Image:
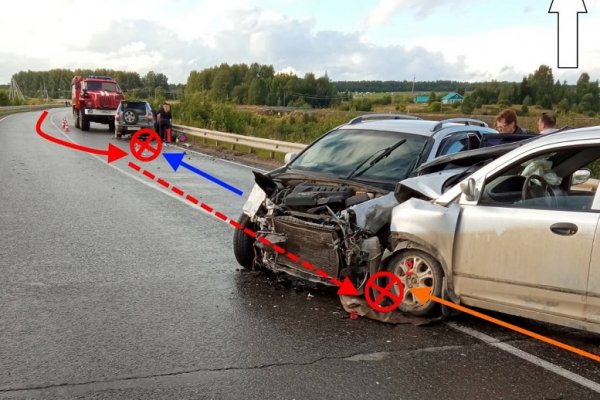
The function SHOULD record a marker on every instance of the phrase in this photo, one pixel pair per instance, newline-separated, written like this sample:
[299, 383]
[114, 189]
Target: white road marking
[6, 117]
[573, 377]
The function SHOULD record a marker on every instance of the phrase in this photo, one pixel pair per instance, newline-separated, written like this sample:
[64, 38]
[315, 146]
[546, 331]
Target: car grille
[311, 242]
[106, 102]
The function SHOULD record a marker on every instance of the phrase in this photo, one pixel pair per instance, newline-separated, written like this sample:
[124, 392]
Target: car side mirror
[469, 189]
[289, 157]
[580, 176]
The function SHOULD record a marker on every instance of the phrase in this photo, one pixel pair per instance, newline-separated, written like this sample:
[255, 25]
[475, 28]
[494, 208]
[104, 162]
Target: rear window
[135, 106]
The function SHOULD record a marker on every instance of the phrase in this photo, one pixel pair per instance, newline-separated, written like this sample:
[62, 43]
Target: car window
[457, 142]
[566, 179]
[341, 151]
[135, 106]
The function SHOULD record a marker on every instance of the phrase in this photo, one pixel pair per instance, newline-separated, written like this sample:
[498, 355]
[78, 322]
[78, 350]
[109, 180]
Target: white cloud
[387, 9]
[177, 36]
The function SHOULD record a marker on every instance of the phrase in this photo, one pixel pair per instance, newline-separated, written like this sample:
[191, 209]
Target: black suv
[132, 116]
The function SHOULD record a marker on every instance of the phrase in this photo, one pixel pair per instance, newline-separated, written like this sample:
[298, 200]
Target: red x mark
[372, 287]
[139, 144]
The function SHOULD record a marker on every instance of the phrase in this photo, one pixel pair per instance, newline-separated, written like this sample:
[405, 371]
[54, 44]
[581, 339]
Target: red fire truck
[95, 99]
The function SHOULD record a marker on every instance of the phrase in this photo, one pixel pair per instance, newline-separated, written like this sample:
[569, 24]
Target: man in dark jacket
[163, 117]
[506, 123]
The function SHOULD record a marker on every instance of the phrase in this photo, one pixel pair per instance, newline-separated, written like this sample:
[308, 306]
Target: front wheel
[243, 244]
[417, 269]
[76, 119]
[84, 122]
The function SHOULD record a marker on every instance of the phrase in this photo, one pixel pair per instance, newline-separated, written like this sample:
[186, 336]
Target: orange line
[517, 329]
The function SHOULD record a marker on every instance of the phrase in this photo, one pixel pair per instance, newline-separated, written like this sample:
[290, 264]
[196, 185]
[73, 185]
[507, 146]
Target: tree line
[541, 89]
[56, 83]
[403, 86]
[258, 84]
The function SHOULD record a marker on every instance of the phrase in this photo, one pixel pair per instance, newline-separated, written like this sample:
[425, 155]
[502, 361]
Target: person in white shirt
[547, 123]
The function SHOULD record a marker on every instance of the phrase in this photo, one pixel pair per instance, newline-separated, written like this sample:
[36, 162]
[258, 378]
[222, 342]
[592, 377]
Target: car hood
[429, 186]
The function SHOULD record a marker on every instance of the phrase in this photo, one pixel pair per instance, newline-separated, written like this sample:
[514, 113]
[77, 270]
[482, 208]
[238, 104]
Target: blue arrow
[176, 159]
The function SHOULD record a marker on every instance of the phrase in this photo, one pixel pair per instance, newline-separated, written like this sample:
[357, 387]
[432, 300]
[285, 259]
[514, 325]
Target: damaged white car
[519, 236]
[332, 203]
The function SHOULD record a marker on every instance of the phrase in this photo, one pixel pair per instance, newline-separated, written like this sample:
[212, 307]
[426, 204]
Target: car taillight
[117, 116]
[150, 117]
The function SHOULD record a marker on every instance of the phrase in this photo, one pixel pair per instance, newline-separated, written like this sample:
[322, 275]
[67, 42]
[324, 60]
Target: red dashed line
[293, 257]
[335, 281]
[278, 249]
[322, 273]
[265, 241]
[307, 265]
[149, 174]
[237, 225]
[191, 199]
[221, 216]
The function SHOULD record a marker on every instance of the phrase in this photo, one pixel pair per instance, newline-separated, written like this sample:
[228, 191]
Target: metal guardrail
[273, 146]
[13, 109]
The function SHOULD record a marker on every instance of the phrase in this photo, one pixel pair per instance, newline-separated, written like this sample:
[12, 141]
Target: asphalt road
[113, 287]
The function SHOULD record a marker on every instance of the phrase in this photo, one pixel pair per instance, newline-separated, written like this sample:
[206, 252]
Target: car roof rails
[466, 121]
[367, 117]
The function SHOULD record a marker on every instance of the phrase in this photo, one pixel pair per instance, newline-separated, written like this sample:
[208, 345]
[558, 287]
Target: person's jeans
[163, 125]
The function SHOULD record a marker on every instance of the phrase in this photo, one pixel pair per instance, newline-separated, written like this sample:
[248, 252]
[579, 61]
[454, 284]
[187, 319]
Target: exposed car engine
[316, 222]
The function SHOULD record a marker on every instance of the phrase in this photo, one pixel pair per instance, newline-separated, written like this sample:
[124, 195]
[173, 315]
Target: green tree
[467, 106]
[436, 106]
[542, 84]
[159, 96]
[432, 98]
[4, 98]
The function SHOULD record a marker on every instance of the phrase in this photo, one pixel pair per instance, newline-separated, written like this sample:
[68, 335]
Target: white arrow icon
[568, 30]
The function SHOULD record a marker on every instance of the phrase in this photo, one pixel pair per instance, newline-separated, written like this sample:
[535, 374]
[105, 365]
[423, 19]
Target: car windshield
[107, 86]
[341, 151]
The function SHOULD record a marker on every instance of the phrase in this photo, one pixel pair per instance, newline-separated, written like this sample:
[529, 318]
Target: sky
[463, 40]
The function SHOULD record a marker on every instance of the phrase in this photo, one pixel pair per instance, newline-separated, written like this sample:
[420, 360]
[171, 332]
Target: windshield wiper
[386, 152]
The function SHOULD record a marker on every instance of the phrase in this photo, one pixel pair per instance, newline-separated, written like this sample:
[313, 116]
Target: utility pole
[15, 92]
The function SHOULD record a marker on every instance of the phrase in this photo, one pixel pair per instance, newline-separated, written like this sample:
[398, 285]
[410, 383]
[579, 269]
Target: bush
[4, 98]
[362, 104]
[524, 110]
[435, 106]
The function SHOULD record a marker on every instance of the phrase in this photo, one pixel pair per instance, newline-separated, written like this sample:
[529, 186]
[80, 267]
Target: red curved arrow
[113, 153]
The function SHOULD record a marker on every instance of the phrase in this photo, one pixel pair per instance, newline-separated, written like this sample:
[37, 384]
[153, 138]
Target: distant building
[452, 98]
[422, 99]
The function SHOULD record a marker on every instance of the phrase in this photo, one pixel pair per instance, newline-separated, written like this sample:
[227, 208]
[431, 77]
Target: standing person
[547, 123]
[164, 120]
[506, 123]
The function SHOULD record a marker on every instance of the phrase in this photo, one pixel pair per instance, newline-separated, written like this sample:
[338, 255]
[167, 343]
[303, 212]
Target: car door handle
[564, 229]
